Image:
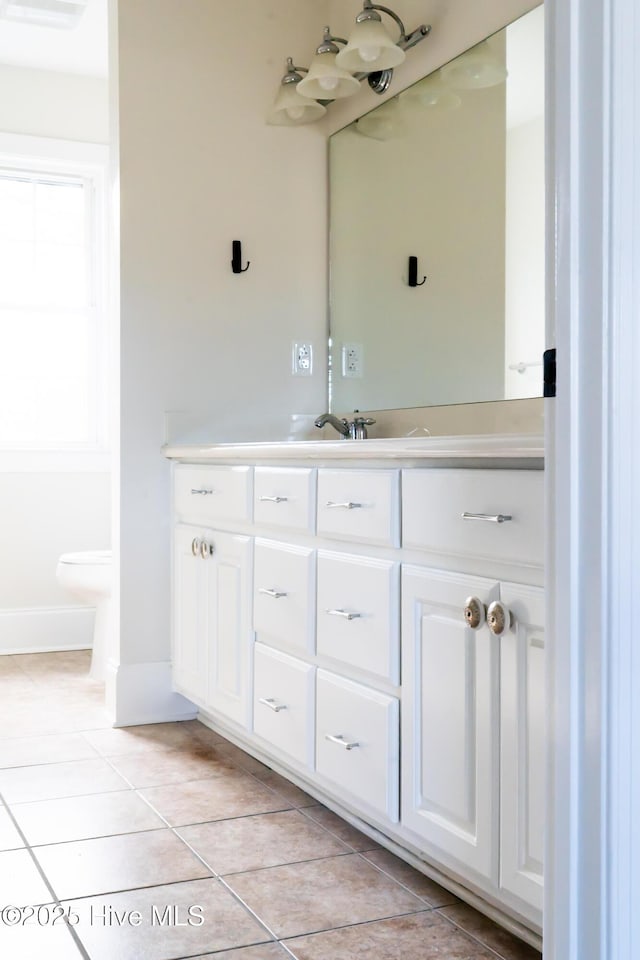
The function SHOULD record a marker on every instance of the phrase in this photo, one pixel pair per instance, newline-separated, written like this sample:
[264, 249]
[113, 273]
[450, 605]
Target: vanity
[330, 617]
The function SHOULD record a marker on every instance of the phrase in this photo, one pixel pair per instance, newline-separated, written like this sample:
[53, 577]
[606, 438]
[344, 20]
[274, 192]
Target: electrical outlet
[352, 360]
[302, 360]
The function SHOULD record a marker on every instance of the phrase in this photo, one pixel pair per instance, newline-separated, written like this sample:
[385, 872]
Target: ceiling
[82, 50]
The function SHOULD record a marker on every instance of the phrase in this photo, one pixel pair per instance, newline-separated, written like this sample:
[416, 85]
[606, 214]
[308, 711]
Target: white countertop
[493, 447]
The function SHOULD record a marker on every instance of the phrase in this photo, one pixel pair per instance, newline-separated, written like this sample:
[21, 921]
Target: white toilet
[88, 576]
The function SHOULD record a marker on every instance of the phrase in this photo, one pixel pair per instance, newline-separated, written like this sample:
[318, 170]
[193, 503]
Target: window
[53, 344]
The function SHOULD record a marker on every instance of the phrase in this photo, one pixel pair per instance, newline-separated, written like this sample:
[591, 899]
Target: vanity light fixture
[325, 78]
[290, 108]
[335, 73]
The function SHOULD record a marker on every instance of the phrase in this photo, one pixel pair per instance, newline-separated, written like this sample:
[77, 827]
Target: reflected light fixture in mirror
[476, 69]
[385, 123]
[334, 73]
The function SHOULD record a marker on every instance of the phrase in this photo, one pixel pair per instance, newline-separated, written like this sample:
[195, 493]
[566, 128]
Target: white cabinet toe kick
[376, 635]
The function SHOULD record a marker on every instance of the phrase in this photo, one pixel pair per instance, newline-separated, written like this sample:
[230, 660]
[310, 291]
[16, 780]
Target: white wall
[46, 513]
[47, 104]
[199, 168]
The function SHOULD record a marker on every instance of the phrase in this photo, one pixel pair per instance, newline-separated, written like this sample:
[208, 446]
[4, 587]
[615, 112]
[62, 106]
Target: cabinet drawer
[360, 505]
[207, 494]
[358, 612]
[285, 498]
[357, 742]
[284, 703]
[434, 502]
[284, 595]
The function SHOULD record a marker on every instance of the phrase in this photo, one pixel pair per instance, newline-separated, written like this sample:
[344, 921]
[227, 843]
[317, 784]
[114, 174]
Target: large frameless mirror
[443, 182]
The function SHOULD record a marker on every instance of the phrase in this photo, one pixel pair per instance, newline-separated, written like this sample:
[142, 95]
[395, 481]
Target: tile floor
[166, 842]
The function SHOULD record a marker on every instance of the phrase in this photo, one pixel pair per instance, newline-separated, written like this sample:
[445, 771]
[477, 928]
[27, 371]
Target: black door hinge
[549, 372]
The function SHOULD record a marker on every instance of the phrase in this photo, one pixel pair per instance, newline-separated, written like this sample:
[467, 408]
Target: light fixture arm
[328, 44]
[293, 73]
[406, 40]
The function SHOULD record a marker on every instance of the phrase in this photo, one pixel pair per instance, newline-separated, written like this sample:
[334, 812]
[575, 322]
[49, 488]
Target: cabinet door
[189, 628]
[522, 703]
[450, 719]
[229, 637]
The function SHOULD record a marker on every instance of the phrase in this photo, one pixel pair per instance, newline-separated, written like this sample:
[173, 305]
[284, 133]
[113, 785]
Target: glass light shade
[431, 94]
[370, 48]
[327, 81]
[290, 109]
[474, 70]
[386, 122]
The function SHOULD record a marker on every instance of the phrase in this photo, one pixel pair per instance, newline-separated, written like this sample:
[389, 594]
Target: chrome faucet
[355, 429]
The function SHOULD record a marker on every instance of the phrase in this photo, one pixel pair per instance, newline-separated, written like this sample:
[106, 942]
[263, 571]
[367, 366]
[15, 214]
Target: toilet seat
[87, 556]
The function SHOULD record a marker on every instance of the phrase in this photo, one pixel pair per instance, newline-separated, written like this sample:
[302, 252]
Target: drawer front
[284, 703]
[209, 494]
[357, 742]
[285, 498]
[360, 505]
[284, 595]
[434, 502]
[358, 618]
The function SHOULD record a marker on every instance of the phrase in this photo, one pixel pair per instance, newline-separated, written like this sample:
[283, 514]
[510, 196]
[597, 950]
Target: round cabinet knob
[498, 618]
[474, 612]
[195, 546]
[206, 549]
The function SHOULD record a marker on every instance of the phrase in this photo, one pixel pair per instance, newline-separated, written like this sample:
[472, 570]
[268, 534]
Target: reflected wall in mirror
[450, 172]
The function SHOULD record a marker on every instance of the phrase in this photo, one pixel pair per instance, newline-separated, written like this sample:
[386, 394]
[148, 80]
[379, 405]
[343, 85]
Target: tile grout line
[472, 936]
[44, 878]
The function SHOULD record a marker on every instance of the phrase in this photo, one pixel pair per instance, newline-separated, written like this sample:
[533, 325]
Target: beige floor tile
[343, 830]
[20, 881]
[54, 780]
[65, 662]
[90, 867]
[422, 936]
[220, 798]
[158, 765]
[26, 751]
[286, 789]
[10, 668]
[489, 933]
[243, 759]
[81, 818]
[35, 942]
[226, 923]
[10, 839]
[266, 951]
[129, 740]
[423, 887]
[307, 897]
[206, 734]
[250, 843]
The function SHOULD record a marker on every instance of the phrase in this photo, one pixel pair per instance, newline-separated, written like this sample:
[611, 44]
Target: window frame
[89, 162]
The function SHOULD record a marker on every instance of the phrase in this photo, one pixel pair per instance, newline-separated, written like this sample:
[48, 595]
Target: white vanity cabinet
[328, 631]
[212, 572]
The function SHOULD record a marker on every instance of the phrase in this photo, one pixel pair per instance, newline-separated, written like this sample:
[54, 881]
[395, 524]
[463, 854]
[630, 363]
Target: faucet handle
[364, 421]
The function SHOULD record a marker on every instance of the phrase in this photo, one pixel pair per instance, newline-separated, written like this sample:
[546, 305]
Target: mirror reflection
[443, 182]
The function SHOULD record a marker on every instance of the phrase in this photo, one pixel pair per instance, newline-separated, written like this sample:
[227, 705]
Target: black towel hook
[413, 273]
[236, 261]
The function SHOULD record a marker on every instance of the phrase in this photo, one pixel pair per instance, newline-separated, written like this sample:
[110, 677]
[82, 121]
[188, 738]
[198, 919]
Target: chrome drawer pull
[340, 740]
[202, 492]
[495, 518]
[274, 499]
[272, 704]
[344, 613]
[271, 593]
[195, 546]
[206, 550]
[349, 505]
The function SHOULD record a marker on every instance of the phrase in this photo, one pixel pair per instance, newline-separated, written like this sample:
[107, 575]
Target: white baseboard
[46, 629]
[138, 693]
